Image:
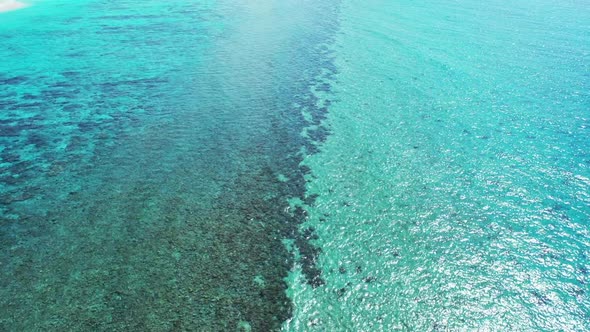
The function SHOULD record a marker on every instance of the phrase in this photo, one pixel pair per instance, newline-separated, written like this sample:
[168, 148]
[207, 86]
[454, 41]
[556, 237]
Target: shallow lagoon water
[295, 165]
[453, 191]
[148, 153]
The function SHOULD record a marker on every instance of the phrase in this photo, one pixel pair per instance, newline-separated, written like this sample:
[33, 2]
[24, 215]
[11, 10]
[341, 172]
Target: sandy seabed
[8, 5]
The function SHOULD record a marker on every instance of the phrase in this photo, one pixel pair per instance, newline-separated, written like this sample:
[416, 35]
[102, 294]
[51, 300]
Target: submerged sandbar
[8, 5]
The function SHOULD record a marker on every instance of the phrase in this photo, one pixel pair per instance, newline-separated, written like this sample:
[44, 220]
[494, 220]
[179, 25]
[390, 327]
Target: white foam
[8, 5]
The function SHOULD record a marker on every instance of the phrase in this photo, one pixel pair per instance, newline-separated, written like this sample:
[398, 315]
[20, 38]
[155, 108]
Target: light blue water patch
[147, 154]
[454, 188]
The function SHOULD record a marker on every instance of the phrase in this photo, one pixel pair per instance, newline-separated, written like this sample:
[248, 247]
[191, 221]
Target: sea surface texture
[296, 165]
[149, 149]
[454, 189]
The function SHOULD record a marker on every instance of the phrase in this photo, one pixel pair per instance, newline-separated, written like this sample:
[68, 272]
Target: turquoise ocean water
[340, 165]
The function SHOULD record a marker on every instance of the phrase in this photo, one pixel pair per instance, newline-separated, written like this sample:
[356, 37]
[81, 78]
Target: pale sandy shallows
[8, 5]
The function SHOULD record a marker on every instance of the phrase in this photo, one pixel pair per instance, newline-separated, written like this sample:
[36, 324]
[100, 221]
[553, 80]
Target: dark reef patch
[100, 210]
[319, 134]
[307, 101]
